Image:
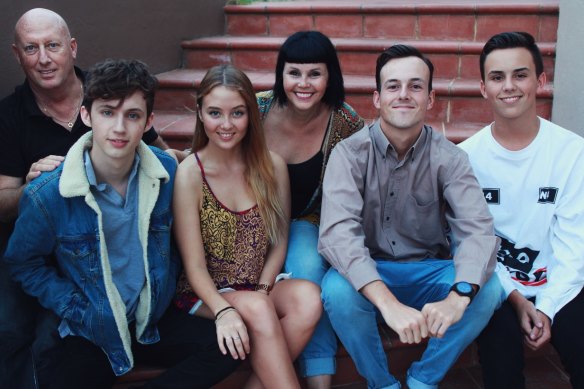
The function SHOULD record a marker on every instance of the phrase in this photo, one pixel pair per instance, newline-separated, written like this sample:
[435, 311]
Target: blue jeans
[354, 319]
[303, 261]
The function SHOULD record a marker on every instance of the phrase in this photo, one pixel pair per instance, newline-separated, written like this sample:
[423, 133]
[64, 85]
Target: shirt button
[393, 242]
[391, 194]
[387, 218]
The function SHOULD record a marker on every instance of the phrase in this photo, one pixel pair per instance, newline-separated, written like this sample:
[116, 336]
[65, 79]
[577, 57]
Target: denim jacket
[58, 252]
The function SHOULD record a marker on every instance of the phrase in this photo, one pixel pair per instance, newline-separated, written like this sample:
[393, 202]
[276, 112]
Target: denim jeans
[354, 319]
[304, 261]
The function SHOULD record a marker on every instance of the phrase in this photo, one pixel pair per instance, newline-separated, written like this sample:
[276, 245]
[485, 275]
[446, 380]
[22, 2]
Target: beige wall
[149, 30]
[568, 110]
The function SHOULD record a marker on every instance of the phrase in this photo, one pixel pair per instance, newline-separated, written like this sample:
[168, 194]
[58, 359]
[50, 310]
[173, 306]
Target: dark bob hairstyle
[311, 47]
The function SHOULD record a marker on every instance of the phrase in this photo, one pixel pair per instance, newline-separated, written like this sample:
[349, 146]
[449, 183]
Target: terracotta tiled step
[177, 127]
[400, 354]
[457, 100]
[451, 58]
[543, 368]
[414, 19]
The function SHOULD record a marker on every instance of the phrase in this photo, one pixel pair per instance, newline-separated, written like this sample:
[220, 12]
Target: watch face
[464, 287]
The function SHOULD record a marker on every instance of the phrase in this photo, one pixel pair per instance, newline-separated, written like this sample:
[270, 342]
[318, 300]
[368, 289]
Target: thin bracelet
[223, 310]
[225, 313]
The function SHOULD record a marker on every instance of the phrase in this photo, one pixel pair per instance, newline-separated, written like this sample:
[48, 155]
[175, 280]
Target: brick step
[400, 356]
[177, 127]
[474, 20]
[457, 100]
[452, 59]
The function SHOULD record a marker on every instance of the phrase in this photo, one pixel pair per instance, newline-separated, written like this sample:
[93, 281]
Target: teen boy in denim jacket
[105, 215]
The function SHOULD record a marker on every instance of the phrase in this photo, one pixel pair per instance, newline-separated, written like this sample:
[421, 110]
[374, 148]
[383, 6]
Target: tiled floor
[542, 372]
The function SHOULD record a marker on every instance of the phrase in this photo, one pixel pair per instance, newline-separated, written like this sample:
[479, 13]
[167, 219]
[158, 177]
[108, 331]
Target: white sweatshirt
[536, 196]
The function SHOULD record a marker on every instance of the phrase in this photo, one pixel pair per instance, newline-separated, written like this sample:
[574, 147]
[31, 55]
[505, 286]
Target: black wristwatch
[464, 289]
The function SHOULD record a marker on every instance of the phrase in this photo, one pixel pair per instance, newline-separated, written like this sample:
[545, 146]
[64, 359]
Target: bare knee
[260, 314]
[303, 302]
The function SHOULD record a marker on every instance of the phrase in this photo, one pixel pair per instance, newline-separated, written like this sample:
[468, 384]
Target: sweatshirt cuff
[547, 306]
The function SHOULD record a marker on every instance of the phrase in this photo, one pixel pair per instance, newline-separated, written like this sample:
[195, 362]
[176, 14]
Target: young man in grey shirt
[407, 232]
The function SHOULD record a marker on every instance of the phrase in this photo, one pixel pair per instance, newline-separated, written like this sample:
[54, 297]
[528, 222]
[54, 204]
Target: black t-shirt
[27, 135]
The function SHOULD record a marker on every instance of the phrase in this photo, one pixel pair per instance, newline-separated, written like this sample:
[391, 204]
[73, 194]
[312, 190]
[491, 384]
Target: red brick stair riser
[462, 20]
[450, 32]
[451, 59]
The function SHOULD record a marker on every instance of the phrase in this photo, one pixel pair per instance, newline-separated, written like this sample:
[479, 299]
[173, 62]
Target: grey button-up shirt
[375, 206]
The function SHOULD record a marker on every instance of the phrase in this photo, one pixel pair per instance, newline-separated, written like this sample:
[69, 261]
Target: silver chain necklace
[69, 122]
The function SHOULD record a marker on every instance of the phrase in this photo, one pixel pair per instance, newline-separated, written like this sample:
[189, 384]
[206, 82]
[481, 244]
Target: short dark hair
[116, 79]
[401, 51]
[311, 47]
[512, 40]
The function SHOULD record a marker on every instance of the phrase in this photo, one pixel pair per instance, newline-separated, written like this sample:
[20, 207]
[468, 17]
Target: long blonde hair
[259, 172]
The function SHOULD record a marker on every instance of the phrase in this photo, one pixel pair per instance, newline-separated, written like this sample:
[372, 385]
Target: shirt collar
[420, 143]
[385, 147]
[92, 179]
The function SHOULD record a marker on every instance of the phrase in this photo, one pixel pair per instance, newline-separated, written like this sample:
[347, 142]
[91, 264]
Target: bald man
[39, 122]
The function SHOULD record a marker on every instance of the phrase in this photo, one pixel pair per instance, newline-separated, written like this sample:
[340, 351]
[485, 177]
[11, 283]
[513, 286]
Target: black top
[27, 135]
[304, 179]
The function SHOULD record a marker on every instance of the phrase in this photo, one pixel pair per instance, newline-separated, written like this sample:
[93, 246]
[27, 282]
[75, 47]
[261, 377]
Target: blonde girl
[231, 207]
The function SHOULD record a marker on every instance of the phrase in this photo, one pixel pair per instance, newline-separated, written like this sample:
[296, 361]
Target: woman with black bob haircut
[311, 47]
[304, 117]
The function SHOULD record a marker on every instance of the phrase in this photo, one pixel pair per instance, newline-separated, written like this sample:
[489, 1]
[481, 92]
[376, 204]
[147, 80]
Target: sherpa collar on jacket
[74, 182]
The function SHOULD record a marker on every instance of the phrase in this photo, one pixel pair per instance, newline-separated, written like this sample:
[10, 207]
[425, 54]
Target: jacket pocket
[79, 317]
[79, 260]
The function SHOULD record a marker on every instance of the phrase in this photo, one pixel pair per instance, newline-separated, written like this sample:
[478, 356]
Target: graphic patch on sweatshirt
[519, 262]
[547, 195]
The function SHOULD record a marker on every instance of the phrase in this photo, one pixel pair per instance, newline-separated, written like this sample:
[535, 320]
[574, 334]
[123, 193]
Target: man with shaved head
[39, 122]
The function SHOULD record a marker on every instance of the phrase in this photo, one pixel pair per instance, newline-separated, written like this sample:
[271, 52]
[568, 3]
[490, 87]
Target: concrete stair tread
[190, 78]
